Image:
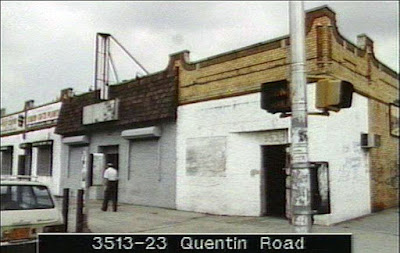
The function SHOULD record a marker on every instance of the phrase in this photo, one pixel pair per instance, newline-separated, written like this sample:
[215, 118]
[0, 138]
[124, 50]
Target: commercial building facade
[135, 130]
[29, 145]
[194, 137]
[231, 154]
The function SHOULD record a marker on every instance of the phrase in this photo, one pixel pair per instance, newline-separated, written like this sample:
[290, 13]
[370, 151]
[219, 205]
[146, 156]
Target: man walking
[111, 182]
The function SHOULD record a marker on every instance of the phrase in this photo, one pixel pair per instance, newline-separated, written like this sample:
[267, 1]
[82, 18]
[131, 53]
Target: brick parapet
[376, 81]
[329, 54]
[384, 160]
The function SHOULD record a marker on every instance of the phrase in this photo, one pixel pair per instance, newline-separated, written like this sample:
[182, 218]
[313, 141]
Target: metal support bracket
[324, 113]
[300, 166]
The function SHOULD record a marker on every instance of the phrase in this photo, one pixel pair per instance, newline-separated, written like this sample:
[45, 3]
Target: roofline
[241, 49]
[39, 106]
[318, 8]
[308, 12]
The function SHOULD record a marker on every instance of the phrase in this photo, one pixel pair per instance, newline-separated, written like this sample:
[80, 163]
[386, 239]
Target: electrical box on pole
[333, 94]
[275, 96]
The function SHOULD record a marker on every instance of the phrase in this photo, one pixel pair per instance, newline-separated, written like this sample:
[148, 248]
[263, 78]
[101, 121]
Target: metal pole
[79, 211]
[113, 67]
[129, 54]
[104, 53]
[300, 167]
[96, 63]
[107, 68]
[85, 210]
[65, 208]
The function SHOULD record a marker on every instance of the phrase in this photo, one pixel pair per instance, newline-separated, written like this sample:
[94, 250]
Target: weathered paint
[335, 139]
[300, 171]
[152, 184]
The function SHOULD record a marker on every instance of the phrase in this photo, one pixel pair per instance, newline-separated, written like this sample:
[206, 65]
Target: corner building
[231, 154]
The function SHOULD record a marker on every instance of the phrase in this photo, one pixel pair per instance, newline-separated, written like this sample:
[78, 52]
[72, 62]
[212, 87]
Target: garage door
[143, 159]
[75, 165]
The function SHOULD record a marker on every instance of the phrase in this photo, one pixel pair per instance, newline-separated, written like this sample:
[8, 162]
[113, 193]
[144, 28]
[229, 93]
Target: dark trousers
[110, 194]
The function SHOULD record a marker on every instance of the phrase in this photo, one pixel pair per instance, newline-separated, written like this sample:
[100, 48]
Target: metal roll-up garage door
[144, 158]
[144, 173]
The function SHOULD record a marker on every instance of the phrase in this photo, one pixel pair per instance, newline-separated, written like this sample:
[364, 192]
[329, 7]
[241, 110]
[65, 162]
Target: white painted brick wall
[335, 139]
[38, 135]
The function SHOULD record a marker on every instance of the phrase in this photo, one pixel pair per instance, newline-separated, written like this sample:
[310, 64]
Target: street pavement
[374, 233]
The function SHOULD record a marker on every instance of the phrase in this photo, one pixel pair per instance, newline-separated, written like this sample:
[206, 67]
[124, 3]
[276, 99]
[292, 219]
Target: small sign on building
[44, 115]
[10, 124]
[100, 112]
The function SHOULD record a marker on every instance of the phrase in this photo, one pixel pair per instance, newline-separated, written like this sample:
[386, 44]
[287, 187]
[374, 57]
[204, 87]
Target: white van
[27, 208]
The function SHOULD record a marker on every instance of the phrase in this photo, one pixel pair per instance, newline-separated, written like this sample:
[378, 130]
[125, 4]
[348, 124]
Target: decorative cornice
[311, 16]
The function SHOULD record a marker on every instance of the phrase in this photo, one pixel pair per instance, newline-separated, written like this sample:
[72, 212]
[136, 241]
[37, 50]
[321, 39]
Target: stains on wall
[206, 156]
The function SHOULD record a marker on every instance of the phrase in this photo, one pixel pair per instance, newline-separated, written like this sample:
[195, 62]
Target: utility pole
[300, 166]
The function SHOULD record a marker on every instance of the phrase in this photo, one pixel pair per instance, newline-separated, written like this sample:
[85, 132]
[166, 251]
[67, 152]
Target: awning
[42, 143]
[76, 140]
[6, 148]
[139, 133]
[25, 145]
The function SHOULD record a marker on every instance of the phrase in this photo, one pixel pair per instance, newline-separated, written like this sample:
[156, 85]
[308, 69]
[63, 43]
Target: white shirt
[111, 174]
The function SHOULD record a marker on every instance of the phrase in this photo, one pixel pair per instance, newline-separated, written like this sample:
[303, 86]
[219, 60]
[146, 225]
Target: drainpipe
[300, 166]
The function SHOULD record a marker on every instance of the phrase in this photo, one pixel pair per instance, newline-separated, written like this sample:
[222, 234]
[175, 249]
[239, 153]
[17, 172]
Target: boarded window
[206, 156]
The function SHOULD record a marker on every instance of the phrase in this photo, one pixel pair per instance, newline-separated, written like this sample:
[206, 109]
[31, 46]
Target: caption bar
[315, 243]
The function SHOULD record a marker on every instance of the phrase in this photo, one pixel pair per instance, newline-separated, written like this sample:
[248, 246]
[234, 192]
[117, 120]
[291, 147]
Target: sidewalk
[374, 233]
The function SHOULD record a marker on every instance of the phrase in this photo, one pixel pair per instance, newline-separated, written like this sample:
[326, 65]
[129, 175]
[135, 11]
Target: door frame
[263, 174]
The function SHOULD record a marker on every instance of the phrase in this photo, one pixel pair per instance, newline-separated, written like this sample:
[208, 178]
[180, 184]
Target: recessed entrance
[274, 180]
[21, 165]
[111, 154]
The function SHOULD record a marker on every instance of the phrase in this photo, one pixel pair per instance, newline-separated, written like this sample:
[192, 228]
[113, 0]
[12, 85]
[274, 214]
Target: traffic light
[275, 96]
[333, 94]
[21, 120]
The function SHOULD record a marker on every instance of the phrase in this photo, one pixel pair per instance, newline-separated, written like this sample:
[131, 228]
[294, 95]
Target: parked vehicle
[27, 209]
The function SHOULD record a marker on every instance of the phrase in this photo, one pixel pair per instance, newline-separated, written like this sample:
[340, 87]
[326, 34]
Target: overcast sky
[49, 46]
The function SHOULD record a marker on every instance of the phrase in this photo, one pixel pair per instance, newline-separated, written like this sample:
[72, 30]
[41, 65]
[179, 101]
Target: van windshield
[24, 197]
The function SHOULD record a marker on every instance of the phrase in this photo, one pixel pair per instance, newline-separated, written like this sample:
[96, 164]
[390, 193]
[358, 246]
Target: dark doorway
[111, 154]
[274, 185]
[21, 165]
[112, 158]
[28, 162]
